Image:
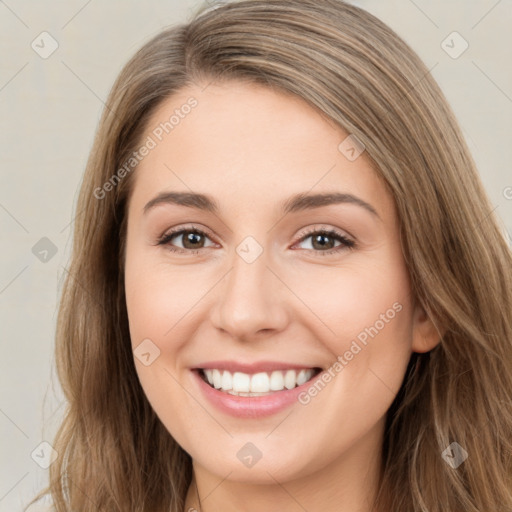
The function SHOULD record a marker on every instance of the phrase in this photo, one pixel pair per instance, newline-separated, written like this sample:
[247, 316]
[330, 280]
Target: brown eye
[324, 241]
[191, 240]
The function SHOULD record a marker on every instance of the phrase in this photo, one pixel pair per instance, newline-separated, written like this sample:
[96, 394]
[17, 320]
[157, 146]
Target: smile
[257, 384]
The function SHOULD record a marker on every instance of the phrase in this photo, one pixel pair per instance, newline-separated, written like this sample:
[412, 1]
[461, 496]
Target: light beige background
[49, 110]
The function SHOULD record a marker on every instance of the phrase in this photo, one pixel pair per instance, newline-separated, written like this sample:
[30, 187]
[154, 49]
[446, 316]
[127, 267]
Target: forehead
[250, 143]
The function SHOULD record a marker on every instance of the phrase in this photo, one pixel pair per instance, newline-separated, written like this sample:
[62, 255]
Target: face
[265, 283]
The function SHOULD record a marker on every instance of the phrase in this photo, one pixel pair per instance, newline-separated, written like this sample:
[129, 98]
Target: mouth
[256, 384]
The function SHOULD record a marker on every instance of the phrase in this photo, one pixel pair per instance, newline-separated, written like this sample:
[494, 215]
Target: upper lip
[250, 368]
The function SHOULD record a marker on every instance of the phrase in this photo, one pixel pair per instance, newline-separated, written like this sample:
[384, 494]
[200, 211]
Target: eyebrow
[296, 203]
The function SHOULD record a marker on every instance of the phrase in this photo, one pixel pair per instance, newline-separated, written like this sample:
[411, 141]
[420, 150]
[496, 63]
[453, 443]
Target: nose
[251, 301]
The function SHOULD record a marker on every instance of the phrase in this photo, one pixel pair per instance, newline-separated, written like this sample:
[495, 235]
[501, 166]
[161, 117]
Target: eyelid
[326, 229]
[188, 227]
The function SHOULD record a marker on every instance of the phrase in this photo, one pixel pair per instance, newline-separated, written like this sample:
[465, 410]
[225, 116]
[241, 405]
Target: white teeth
[227, 381]
[289, 379]
[241, 382]
[302, 377]
[258, 383]
[276, 381]
[217, 378]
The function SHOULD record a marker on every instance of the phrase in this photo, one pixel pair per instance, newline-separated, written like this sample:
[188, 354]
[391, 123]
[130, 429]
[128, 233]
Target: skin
[251, 148]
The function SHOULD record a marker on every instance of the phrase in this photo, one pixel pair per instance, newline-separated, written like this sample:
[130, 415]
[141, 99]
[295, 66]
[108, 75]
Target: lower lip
[252, 406]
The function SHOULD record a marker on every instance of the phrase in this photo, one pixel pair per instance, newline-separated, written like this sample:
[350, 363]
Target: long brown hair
[114, 453]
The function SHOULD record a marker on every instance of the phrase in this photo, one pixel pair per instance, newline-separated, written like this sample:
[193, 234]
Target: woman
[287, 290]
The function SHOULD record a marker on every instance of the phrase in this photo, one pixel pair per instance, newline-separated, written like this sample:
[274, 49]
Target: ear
[425, 334]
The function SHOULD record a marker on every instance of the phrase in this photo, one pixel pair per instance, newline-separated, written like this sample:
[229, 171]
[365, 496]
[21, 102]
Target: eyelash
[346, 243]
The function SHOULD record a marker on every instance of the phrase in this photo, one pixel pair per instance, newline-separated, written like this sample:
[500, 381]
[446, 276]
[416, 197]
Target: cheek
[363, 315]
[155, 305]
[366, 323]
[144, 306]
[158, 297]
[349, 299]
[152, 307]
